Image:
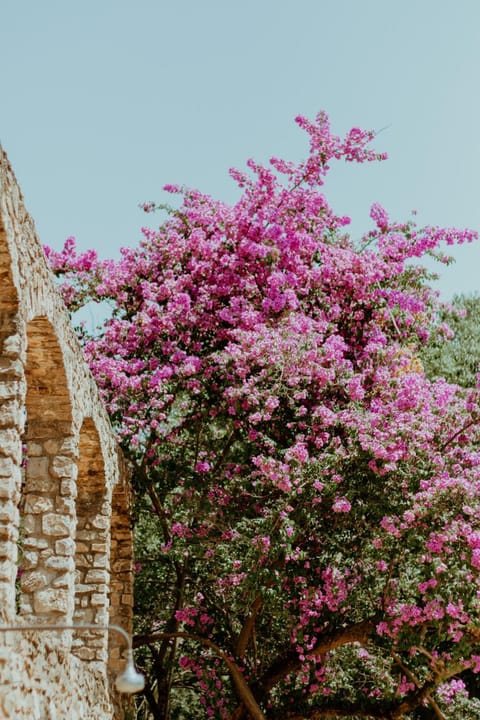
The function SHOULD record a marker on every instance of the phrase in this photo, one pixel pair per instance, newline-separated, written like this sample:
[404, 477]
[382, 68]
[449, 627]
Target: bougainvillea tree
[308, 501]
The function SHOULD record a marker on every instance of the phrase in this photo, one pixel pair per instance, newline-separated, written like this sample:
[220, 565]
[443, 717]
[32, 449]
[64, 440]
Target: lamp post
[129, 681]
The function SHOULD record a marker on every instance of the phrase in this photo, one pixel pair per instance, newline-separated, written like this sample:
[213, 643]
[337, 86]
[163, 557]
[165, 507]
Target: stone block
[45, 554]
[97, 599]
[122, 565]
[62, 581]
[6, 467]
[100, 560]
[26, 607]
[63, 467]
[83, 562]
[35, 542]
[12, 346]
[54, 525]
[85, 653]
[37, 504]
[99, 547]
[12, 370]
[29, 560]
[87, 535]
[8, 513]
[65, 505]
[8, 571]
[37, 469]
[6, 488]
[9, 390]
[35, 449]
[39, 484]
[100, 522]
[32, 581]
[51, 601]
[10, 414]
[31, 524]
[68, 488]
[8, 550]
[66, 546]
[60, 563]
[97, 576]
[52, 446]
[69, 447]
[11, 444]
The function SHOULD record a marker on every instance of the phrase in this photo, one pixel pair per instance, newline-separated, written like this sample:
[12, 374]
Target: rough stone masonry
[65, 535]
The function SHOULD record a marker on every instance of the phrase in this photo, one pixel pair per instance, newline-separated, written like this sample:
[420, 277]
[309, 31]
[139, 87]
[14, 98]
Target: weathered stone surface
[99, 547]
[65, 505]
[50, 601]
[37, 468]
[62, 581]
[8, 390]
[6, 466]
[65, 547]
[8, 513]
[63, 467]
[68, 488]
[32, 581]
[33, 542]
[11, 370]
[69, 480]
[29, 560]
[98, 599]
[85, 653]
[100, 522]
[6, 571]
[100, 560]
[37, 504]
[56, 525]
[12, 346]
[60, 563]
[10, 444]
[97, 576]
[10, 414]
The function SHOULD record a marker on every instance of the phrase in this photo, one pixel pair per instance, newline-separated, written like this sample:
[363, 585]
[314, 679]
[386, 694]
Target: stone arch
[41, 675]
[91, 546]
[48, 499]
[12, 393]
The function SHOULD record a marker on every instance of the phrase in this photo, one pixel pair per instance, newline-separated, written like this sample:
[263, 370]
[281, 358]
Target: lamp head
[130, 680]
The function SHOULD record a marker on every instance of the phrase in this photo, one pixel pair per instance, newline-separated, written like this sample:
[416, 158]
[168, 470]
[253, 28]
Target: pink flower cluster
[261, 370]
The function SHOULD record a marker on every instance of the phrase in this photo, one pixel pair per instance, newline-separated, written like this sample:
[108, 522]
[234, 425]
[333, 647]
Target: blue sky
[104, 101]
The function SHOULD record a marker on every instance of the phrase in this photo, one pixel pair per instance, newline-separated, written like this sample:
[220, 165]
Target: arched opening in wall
[12, 398]
[91, 547]
[121, 571]
[48, 502]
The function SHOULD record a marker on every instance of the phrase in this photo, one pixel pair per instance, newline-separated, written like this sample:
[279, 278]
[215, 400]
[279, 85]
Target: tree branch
[248, 627]
[244, 693]
[438, 713]
[290, 662]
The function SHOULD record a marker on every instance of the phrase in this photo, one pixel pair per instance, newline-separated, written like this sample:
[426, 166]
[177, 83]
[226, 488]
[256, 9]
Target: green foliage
[456, 358]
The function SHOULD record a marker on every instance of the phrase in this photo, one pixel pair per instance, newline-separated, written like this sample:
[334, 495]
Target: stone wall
[65, 536]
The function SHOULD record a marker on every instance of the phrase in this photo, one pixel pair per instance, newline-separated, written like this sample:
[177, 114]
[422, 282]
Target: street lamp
[129, 681]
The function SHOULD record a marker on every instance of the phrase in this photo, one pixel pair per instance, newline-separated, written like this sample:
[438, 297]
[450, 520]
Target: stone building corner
[65, 534]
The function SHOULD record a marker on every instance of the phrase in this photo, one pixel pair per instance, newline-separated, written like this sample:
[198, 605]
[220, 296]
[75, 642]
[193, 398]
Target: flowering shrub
[308, 508]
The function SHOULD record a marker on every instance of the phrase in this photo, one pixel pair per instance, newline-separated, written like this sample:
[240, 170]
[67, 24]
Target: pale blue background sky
[102, 102]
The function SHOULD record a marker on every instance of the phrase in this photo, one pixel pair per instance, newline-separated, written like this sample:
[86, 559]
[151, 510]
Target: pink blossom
[341, 505]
